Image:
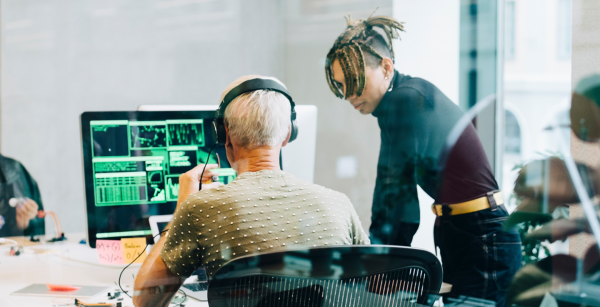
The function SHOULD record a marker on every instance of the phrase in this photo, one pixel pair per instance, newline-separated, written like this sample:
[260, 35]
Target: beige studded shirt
[263, 211]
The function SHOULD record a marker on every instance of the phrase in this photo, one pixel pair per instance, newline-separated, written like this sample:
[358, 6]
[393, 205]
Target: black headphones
[245, 87]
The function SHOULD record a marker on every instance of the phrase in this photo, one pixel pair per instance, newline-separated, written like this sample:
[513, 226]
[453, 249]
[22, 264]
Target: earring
[385, 78]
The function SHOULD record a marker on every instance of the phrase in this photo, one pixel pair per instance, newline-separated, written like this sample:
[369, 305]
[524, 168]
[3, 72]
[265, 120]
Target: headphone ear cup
[219, 131]
[294, 133]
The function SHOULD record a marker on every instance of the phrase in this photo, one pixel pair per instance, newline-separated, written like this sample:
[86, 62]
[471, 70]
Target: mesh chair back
[338, 276]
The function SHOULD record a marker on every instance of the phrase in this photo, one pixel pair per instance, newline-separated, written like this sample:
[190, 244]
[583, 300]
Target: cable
[60, 232]
[207, 158]
[184, 296]
[57, 226]
[136, 258]
[3, 240]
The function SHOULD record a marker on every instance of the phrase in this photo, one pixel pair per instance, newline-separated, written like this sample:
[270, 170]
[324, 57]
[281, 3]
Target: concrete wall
[586, 39]
[63, 57]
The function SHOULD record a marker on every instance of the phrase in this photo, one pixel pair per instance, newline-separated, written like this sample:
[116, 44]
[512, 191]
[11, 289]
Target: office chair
[363, 275]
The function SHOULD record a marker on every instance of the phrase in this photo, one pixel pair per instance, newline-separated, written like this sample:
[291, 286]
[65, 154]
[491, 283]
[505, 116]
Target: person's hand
[189, 183]
[26, 212]
[191, 179]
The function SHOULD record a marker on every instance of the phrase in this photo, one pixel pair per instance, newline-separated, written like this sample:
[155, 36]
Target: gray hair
[258, 118]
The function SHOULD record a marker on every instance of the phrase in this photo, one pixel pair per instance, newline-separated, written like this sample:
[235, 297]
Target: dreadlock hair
[349, 48]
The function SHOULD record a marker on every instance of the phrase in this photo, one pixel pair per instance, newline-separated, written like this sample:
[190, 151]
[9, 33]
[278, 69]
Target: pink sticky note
[109, 251]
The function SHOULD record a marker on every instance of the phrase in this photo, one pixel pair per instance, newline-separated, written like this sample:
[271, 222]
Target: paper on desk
[110, 251]
[132, 247]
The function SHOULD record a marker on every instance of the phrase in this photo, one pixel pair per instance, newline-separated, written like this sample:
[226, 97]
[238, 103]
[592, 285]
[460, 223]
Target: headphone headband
[255, 85]
[245, 87]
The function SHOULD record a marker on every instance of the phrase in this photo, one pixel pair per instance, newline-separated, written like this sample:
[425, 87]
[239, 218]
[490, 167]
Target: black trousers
[479, 258]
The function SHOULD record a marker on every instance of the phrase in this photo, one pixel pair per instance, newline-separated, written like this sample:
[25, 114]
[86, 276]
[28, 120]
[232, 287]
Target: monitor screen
[162, 226]
[132, 163]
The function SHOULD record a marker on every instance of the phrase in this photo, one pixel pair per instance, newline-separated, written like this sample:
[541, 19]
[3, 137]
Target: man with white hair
[263, 210]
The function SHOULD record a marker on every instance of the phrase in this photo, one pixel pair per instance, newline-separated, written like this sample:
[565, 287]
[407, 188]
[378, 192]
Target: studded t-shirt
[263, 211]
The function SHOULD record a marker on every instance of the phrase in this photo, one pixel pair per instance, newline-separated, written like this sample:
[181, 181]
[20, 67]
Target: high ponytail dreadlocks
[350, 46]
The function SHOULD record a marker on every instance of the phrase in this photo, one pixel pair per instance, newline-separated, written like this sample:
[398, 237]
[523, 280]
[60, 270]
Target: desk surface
[68, 263]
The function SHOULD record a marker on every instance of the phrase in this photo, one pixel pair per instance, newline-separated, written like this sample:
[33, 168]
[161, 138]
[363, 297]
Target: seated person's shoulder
[335, 193]
[333, 197]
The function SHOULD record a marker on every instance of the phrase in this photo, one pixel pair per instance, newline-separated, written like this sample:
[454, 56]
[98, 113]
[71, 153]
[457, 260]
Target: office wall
[586, 39]
[343, 134]
[585, 59]
[63, 57]
[430, 51]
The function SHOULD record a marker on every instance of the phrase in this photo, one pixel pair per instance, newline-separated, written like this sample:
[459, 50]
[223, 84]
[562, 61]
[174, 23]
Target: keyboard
[195, 287]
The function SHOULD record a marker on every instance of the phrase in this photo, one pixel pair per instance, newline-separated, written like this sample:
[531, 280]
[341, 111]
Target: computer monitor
[158, 224]
[132, 162]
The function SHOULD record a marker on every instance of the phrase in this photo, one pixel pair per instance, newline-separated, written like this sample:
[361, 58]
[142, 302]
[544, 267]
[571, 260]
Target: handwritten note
[133, 247]
[110, 251]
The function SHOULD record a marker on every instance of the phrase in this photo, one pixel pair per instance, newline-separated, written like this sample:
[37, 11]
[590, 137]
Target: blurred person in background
[20, 200]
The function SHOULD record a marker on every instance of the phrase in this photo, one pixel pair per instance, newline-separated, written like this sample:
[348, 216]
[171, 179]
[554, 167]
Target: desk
[66, 262]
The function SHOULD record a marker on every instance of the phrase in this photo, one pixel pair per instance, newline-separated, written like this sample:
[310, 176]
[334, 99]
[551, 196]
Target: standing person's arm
[395, 212]
[395, 204]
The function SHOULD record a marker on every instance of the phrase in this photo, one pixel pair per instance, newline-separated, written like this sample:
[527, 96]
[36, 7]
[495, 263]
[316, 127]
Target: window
[563, 42]
[512, 134]
[509, 30]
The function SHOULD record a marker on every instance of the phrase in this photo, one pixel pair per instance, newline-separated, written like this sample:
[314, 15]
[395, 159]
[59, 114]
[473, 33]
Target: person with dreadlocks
[415, 118]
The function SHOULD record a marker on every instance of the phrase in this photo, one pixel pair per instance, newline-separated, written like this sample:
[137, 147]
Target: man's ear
[287, 139]
[388, 66]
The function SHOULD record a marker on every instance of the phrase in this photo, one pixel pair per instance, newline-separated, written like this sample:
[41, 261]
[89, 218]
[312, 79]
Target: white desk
[68, 263]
